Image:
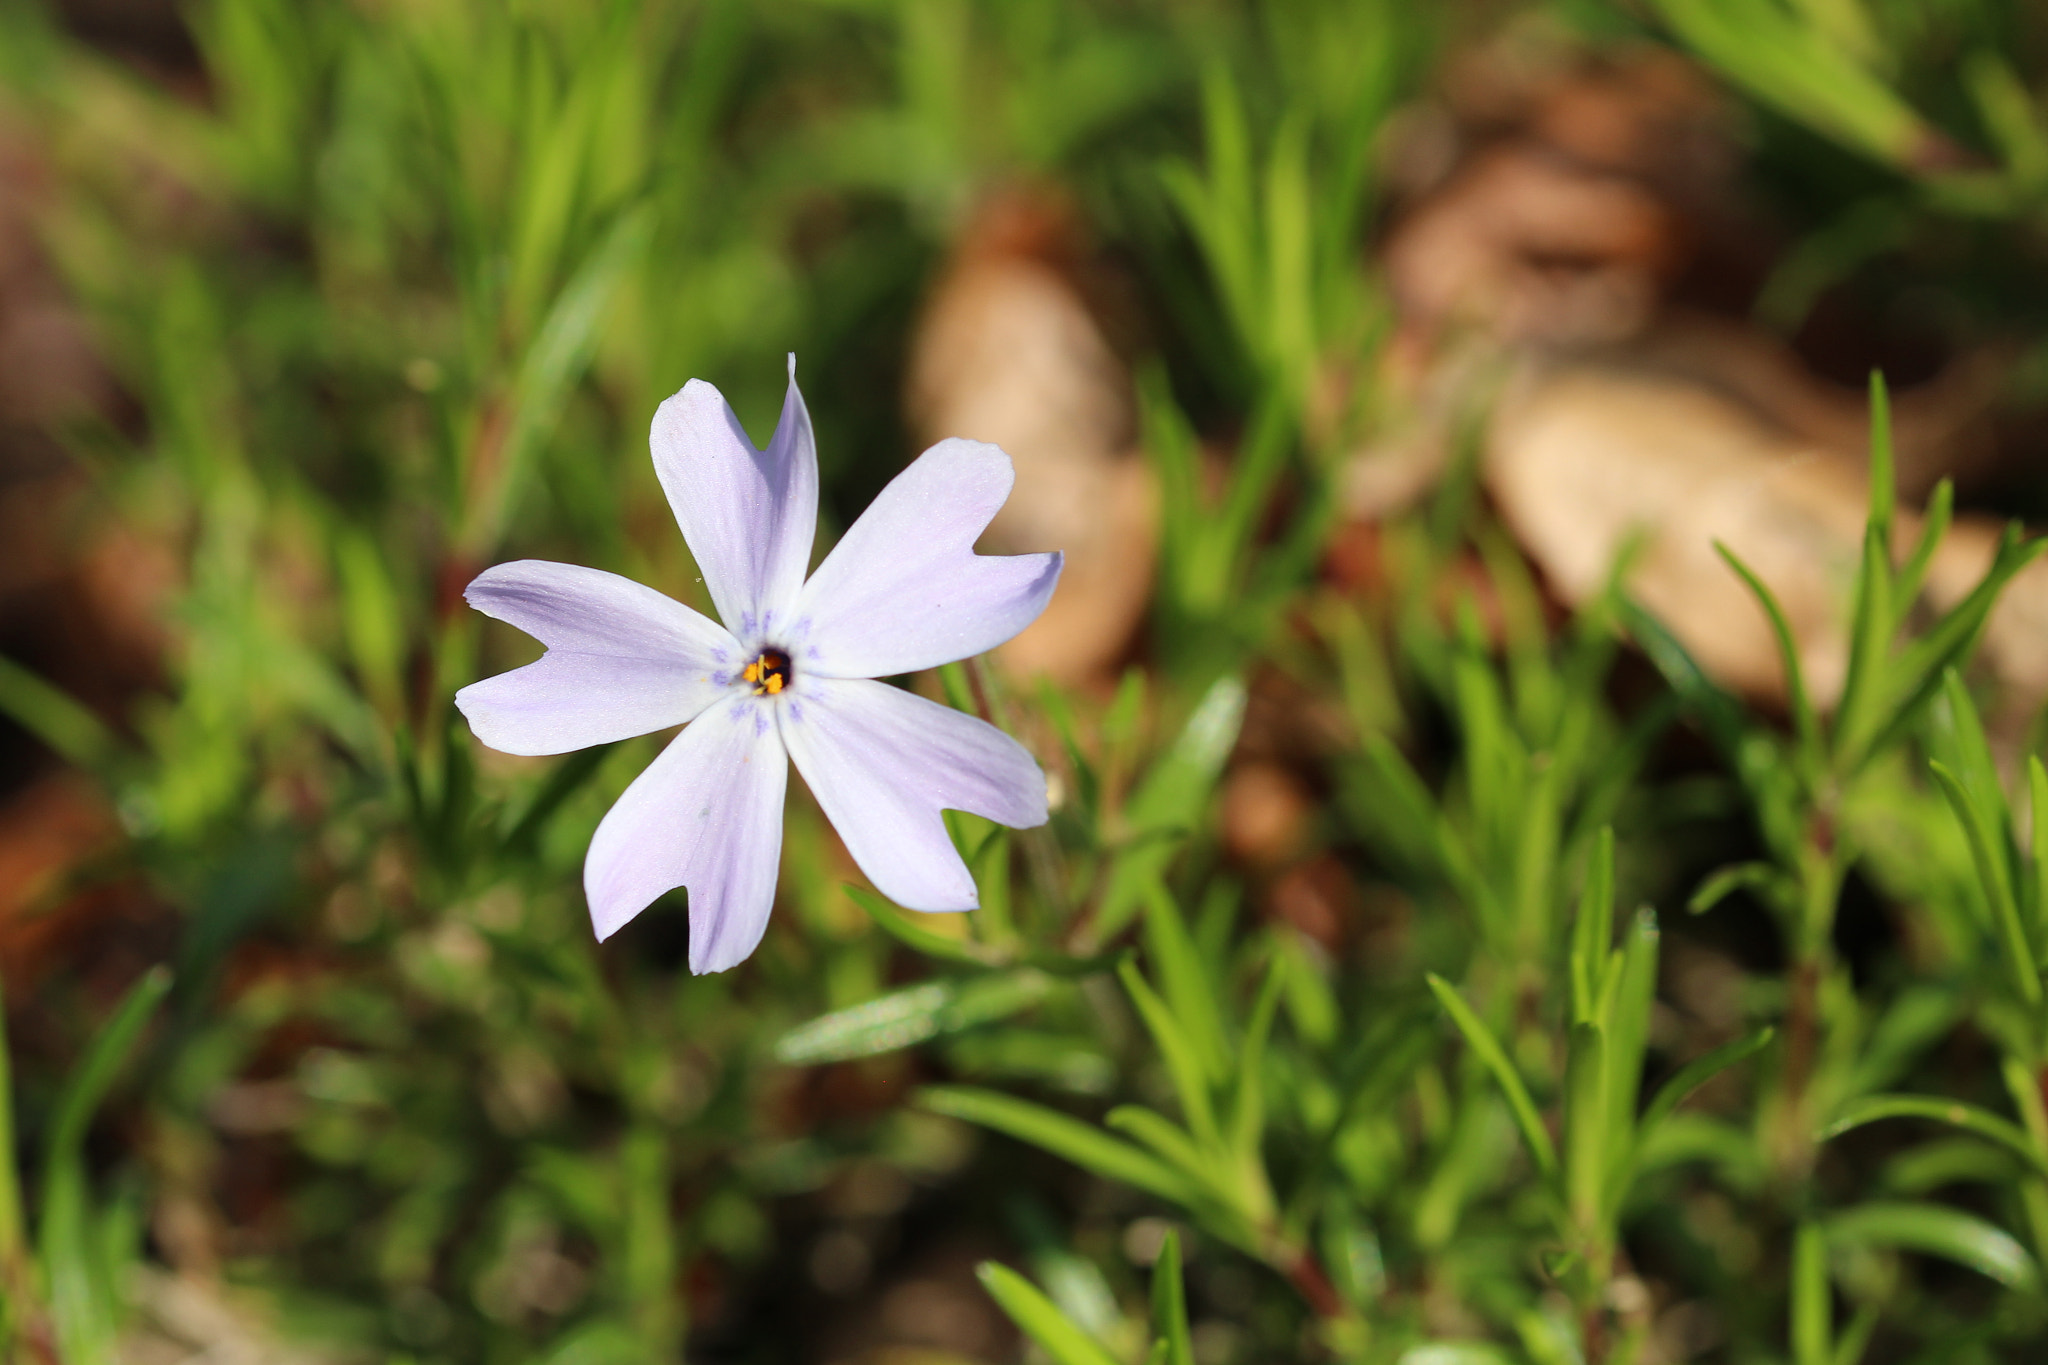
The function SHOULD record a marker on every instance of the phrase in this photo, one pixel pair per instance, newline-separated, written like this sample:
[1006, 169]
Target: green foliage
[1433, 1084]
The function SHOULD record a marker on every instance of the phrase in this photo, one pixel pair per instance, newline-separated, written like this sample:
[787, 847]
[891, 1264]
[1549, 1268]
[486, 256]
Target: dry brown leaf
[1583, 458]
[1525, 245]
[1266, 813]
[183, 1320]
[48, 829]
[1009, 352]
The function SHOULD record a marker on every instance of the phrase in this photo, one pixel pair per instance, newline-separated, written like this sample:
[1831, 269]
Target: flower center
[769, 673]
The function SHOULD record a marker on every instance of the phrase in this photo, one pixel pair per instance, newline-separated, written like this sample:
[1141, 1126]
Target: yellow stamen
[768, 673]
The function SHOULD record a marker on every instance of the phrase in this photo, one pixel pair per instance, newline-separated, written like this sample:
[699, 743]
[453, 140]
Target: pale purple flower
[789, 675]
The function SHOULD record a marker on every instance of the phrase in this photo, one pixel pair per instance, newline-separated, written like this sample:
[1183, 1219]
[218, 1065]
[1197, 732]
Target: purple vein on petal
[707, 814]
[749, 515]
[622, 659]
[903, 588]
[883, 763]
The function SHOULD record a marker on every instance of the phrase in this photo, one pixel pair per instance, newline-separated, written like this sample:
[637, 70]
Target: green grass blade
[1627, 1026]
[1488, 1049]
[1937, 1230]
[907, 931]
[1992, 876]
[11, 1226]
[1883, 483]
[1585, 1124]
[1593, 930]
[1170, 1307]
[1183, 1064]
[90, 1082]
[1184, 980]
[2037, 868]
[82, 1303]
[1171, 797]
[1724, 882]
[1167, 1139]
[1081, 1143]
[1037, 1317]
[1697, 1073]
[1812, 1301]
[905, 1018]
[52, 716]
[1716, 711]
[1920, 665]
[1805, 725]
[1969, 1117]
[1941, 508]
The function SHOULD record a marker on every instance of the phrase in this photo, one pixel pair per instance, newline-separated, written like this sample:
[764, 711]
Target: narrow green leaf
[1937, 1230]
[1190, 1083]
[1169, 1306]
[1165, 1137]
[372, 618]
[1422, 830]
[1585, 1124]
[1184, 979]
[1870, 633]
[910, 1016]
[93, 1076]
[1593, 931]
[52, 716]
[1627, 1028]
[1485, 1047]
[1855, 1339]
[1171, 797]
[1038, 1319]
[563, 781]
[1934, 524]
[911, 934]
[1961, 744]
[1883, 485]
[83, 1303]
[1998, 893]
[2037, 869]
[1536, 847]
[1726, 881]
[1717, 712]
[1955, 1113]
[1695, 1074]
[561, 349]
[1812, 1302]
[1311, 1003]
[1919, 666]
[11, 1227]
[959, 693]
[1081, 1143]
[992, 922]
[1248, 1114]
[1804, 723]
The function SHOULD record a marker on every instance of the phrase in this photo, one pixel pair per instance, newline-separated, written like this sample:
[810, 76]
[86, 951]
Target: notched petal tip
[904, 589]
[748, 513]
[705, 815]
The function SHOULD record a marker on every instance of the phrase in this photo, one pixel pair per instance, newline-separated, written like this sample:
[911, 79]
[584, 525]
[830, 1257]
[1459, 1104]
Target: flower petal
[749, 515]
[903, 588]
[622, 659]
[707, 814]
[883, 762]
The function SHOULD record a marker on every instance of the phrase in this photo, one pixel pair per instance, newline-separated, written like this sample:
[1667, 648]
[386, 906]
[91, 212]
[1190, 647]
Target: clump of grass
[429, 269]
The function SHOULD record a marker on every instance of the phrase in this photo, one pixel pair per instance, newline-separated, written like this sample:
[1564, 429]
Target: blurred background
[1388, 373]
